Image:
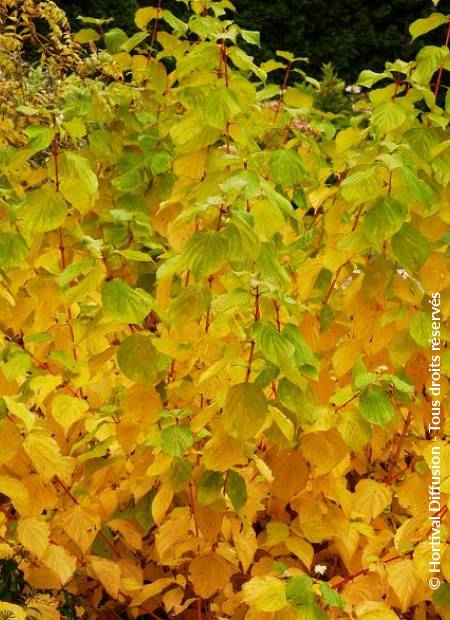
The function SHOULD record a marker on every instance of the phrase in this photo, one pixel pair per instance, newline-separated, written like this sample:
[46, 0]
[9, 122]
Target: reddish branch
[441, 66]
[282, 91]
[154, 30]
[69, 493]
[386, 560]
[332, 285]
[394, 458]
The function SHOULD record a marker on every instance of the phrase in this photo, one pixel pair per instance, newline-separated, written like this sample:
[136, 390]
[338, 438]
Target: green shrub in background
[353, 34]
[331, 95]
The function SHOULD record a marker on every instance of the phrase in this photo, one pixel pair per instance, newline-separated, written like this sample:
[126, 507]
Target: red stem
[441, 67]
[154, 30]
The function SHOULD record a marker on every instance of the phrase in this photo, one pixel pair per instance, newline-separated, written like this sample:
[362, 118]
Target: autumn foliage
[215, 319]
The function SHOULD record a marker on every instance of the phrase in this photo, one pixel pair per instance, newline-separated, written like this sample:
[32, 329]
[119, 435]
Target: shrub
[216, 307]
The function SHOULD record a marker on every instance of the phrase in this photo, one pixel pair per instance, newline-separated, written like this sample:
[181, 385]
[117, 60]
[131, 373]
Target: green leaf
[205, 253]
[219, 107]
[236, 489]
[268, 219]
[180, 473]
[368, 78]
[388, 116]
[420, 328]
[124, 304]
[86, 35]
[287, 167]
[330, 596]
[74, 270]
[128, 182]
[176, 439]
[428, 61]
[40, 137]
[299, 591]
[418, 189]
[43, 210]
[422, 26]
[402, 384]
[274, 346]
[209, 487]
[384, 220]
[135, 255]
[13, 249]
[442, 595]
[355, 431]
[160, 162]
[361, 186]
[66, 360]
[136, 357]
[410, 248]
[251, 36]
[244, 411]
[305, 360]
[133, 41]
[375, 406]
[17, 365]
[190, 304]
[114, 39]
[143, 511]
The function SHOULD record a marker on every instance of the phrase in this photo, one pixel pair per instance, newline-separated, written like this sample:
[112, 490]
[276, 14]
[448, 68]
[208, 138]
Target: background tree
[353, 34]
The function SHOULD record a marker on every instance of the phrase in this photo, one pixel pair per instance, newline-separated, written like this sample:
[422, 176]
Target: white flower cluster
[353, 88]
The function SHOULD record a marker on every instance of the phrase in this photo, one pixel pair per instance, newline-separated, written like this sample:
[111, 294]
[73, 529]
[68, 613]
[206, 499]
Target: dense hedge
[353, 34]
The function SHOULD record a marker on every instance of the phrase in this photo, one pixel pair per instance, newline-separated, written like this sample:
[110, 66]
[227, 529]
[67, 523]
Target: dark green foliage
[122, 11]
[331, 96]
[68, 608]
[352, 34]
[12, 583]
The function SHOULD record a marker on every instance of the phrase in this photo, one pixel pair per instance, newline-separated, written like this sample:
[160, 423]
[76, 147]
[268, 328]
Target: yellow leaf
[277, 532]
[82, 525]
[150, 590]
[10, 441]
[46, 456]
[222, 451]
[245, 543]
[43, 494]
[16, 491]
[129, 533]
[265, 594]
[403, 579]
[66, 410]
[42, 385]
[285, 485]
[108, 573]
[41, 578]
[374, 611]
[60, 561]
[302, 549]
[144, 15]
[14, 612]
[33, 534]
[323, 450]
[142, 403]
[344, 357]
[209, 574]
[371, 498]
[46, 610]
[161, 502]
[191, 165]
